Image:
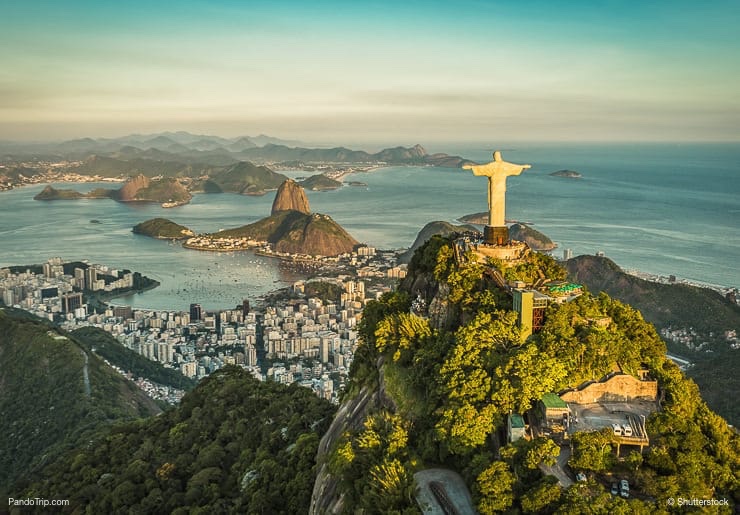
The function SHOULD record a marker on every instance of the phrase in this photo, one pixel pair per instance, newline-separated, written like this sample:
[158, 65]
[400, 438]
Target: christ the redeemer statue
[497, 171]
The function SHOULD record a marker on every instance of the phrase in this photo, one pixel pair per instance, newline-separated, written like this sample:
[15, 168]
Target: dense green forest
[452, 380]
[234, 445]
[53, 393]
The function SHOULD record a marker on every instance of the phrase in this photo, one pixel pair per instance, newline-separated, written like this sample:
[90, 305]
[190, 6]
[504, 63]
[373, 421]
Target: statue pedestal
[511, 252]
[496, 235]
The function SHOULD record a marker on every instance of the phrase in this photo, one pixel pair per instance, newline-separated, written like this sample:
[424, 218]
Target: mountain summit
[290, 197]
[292, 228]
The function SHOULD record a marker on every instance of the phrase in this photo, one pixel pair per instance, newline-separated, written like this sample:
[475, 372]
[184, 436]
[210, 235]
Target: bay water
[659, 208]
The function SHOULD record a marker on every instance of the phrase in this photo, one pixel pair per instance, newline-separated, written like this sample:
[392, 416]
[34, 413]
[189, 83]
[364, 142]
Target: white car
[624, 488]
[617, 429]
[627, 430]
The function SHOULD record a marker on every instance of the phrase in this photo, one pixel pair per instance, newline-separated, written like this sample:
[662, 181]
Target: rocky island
[291, 228]
[51, 193]
[163, 229]
[568, 174]
[320, 182]
[167, 191]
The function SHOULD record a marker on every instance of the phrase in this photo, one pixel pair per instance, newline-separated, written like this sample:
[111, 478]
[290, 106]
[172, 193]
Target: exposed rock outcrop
[168, 191]
[290, 197]
[129, 190]
[292, 229]
[351, 415]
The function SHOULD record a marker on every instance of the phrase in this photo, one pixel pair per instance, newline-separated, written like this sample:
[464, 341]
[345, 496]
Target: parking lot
[592, 417]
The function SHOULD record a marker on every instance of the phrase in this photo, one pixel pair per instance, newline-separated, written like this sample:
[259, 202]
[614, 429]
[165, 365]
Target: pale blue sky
[354, 72]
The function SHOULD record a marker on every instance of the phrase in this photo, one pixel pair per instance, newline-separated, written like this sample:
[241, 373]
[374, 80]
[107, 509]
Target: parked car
[617, 429]
[615, 488]
[624, 488]
[627, 429]
[581, 476]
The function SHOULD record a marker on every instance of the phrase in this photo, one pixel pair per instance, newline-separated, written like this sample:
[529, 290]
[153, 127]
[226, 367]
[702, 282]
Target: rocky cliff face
[143, 189]
[290, 197]
[132, 186]
[326, 498]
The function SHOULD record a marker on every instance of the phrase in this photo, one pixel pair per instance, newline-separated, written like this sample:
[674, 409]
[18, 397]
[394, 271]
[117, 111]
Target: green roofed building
[564, 289]
[553, 408]
[516, 428]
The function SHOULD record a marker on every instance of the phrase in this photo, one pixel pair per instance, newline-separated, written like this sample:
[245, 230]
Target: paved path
[558, 470]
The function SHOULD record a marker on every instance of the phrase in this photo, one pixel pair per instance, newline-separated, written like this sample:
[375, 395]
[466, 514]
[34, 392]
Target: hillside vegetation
[451, 369]
[661, 304]
[244, 178]
[320, 182]
[678, 306]
[45, 399]
[162, 228]
[96, 340]
[438, 228]
[234, 445]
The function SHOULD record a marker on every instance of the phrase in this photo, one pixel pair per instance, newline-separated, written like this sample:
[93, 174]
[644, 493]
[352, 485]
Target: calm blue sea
[663, 209]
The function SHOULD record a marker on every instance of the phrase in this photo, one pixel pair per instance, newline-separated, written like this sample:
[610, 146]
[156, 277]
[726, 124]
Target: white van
[627, 430]
[617, 429]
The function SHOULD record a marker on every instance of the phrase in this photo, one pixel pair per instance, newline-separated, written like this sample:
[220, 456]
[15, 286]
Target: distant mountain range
[180, 153]
[172, 141]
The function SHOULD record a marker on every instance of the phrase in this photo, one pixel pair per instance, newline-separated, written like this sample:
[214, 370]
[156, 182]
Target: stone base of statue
[495, 235]
[512, 251]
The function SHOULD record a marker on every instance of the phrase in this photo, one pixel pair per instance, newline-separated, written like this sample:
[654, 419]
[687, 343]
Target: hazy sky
[348, 72]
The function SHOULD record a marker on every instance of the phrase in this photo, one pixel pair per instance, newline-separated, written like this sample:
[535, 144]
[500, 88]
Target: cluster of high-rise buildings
[57, 288]
[300, 339]
[314, 341]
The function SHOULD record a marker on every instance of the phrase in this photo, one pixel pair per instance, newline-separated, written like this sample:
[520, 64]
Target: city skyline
[328, 73]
